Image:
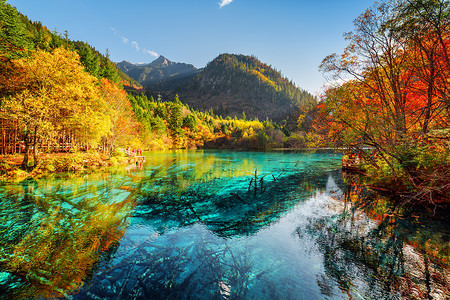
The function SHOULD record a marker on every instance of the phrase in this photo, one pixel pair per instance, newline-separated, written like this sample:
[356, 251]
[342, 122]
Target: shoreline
[55, 163]
[79, 163]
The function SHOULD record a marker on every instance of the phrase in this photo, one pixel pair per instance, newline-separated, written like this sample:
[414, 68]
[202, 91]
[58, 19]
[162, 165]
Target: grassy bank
[415, 173]
[79, 162]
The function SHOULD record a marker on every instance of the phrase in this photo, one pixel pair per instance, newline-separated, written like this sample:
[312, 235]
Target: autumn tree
[14, 43]
[424, 27]
[374, 58]
[57, 95]
[395, 91]
[124, 128]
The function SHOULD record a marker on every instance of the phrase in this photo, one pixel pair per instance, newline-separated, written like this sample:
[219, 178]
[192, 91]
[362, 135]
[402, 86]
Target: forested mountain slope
[230, 85]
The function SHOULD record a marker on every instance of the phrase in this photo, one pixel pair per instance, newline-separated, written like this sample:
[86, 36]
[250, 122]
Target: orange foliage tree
[424, 28]
[395, 93]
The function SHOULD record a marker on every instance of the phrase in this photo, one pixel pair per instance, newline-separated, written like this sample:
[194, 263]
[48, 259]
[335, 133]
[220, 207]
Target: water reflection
[185, 225]
[375, 249]
[54, 232]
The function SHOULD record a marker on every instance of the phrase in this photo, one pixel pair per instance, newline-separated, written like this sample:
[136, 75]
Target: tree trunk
[430, 100]
[14, 141]
[111, 148]
[3, 138]
[35, 150]
[24, 164]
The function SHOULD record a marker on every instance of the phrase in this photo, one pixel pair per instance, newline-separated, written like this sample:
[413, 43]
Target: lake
[193, 225]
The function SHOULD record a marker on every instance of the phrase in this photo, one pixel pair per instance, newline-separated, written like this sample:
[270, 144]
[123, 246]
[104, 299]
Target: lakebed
[193, 225]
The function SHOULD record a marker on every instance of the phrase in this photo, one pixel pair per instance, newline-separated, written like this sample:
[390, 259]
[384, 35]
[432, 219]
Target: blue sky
[291, 36]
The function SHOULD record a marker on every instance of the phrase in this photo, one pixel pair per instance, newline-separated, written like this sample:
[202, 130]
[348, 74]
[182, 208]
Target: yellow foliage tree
[56, 95]
[124, 128]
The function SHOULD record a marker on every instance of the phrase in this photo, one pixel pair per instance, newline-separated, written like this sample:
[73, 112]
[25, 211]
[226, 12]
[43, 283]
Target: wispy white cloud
[135, 45]
[152, 53]
[223, 3]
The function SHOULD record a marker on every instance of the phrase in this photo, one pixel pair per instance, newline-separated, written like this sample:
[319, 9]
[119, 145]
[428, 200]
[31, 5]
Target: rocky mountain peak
[161, 61]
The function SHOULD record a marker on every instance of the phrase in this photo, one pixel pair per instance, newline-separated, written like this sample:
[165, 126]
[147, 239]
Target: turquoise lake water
[192, 225]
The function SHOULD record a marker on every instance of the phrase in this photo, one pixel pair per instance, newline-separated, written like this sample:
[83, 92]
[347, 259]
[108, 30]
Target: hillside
[35, 36]
[233, 84]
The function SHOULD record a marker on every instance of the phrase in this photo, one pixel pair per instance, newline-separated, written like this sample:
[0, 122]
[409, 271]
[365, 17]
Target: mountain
[161, 70]
[233, 84]
[229, 85]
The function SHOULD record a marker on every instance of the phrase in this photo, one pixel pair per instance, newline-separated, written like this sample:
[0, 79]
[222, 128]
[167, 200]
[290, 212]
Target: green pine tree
[89, 60]
[109, 70]
[14, 41]
[176, 119]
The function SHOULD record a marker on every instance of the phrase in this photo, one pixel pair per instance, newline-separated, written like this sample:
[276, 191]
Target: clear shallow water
[188, 225]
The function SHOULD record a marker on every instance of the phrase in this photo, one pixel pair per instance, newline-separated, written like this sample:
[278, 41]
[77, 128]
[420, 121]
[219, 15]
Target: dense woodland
[54, 92]
[172, 125]
[394, 97]
[231, 84]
